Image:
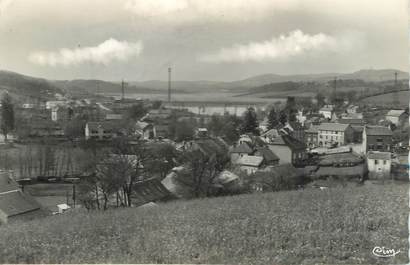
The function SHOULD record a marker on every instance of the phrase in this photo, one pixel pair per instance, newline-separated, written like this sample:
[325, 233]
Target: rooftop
[395, 113]
[17, 202]
[242, 148]
[379, 155]
[267, 154]
[333, 127]
[253, 161]
[378, 131]
[357, 170]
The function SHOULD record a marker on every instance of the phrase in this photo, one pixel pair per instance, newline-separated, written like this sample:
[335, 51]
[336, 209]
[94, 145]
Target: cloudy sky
[200, 39]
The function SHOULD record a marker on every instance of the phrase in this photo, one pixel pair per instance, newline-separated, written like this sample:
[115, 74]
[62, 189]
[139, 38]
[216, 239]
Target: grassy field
[334, 226]
[388, 99]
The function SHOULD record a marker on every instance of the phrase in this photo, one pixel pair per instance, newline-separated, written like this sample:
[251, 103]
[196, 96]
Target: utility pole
[395, 79]
[169, 85]
[122, 90]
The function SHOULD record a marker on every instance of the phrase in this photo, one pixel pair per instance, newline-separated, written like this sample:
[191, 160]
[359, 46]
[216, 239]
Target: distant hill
[23, 86]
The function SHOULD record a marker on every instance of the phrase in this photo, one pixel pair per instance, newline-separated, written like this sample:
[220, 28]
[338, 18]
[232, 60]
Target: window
[379, 140]
[376, 162]
[384, 162]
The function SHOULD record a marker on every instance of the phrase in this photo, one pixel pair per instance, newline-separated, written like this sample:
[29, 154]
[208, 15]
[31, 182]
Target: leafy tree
[283, 117]
[320, 98]
[7, 115]
[184, 131]
[136, 112]
[200, 174]
[273, 120]
[250, 122]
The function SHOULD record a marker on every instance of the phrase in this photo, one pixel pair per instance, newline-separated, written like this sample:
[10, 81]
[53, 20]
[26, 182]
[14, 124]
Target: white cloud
[295, 43]
[4, 4]
[105, 53]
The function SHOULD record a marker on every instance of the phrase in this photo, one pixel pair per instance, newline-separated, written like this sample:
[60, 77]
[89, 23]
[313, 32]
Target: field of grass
[334, 226]
[388, 99]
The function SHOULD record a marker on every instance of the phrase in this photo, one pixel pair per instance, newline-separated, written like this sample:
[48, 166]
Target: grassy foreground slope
[340, 225]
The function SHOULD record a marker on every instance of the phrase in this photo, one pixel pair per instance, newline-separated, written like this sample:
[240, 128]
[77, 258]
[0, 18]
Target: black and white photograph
[204, 132]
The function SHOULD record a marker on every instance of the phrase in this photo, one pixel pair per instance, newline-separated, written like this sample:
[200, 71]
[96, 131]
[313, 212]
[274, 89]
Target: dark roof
[347, 158]
[267, 154]
[357, 170]
[7, 183]
[292, 142]
[17, 202]
[313, 129]
[378, 131]
[211, 146]
[379, 155]
[351, 121]
[242, 148]
[150, 190]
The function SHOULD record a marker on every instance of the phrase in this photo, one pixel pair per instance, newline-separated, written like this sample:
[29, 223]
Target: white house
[327, 111]
[334, 134]
[250, 164]
[394, 116]
[379, 164]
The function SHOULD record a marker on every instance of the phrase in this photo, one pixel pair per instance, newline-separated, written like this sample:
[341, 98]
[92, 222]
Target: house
[239, 151]
[61, 114]
[271, 134]
[14, 204]
[379, 164]
[100, 130]
[62, 208]
[352, 109]
[113, 116]
[334, 134]
[250, 164]
[377, 138]
[56, 103]
[145, 130]
[395, 116]
[209, 146]
[357, 126]
[288, 149]
[45, 128]
[202, 132]
[327, 111]
[296, 130]
[311, 136]
[269, 157]
[157, 114]
[148, 191]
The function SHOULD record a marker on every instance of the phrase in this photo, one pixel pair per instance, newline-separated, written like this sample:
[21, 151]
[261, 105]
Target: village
[100, 153]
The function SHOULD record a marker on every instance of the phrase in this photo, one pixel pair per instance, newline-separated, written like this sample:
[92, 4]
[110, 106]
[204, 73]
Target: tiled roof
[149, 191]
[17, 202]
[378, 131]
[242, 148]
[340, 158]
[254, 161]
[7, 183]
[351, 121]
[211, 146]
[333, 127]
[313, 129]
[379, 155]
[267, 154]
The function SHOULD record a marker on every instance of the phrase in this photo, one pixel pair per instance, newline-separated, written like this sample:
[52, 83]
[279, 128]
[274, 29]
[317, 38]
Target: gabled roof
[313, 129]
[253, 161]
[7, 183]
[242, 148]
[351, 121]
[292, 142]
[267, 154]
[379, 155]
[17, 202]
[395, 113]
[378, 131]
[150, 190]
[333, 127]
[211, 146]
[348, 158]
[106, 125]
